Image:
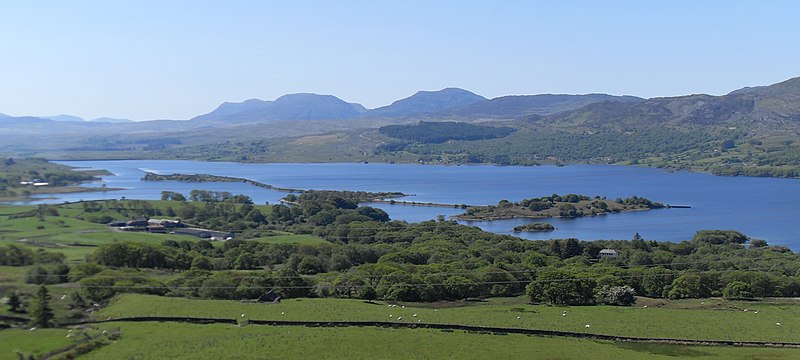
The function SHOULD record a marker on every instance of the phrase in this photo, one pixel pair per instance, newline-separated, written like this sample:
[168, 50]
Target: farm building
[609, 253]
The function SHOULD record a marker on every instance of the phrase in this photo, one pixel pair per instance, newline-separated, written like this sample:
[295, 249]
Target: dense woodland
[439, 132]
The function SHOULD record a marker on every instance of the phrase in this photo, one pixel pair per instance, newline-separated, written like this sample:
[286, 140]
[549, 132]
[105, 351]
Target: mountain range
[766, 109]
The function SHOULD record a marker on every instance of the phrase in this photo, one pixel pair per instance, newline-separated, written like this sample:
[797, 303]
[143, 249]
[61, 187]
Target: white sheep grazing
[779, 324]
[588, 326]
[283, 313]
[242, 315]
[399, 318]
[519, 317]
[756, 311]
[415, 315]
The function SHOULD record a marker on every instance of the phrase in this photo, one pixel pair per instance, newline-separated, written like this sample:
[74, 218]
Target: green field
[217, 341]
[185, 341]
[718, 322]
[35, 342]
[77, 238]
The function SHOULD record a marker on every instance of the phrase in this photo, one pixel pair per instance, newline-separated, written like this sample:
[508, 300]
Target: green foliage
[737, 290]
[719, 237]
[439, 132]
[41, 314]
[52, 274]
[690, 286]
[14, 303]
[562, 287]
[616, 295]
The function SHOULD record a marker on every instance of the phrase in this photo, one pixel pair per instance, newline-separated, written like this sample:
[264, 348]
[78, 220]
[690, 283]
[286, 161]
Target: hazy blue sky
[177, 59]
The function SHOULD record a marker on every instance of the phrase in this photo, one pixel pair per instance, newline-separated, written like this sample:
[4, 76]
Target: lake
[763, 208]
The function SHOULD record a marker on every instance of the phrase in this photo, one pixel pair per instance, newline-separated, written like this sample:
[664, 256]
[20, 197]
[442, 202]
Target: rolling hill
[288, 107]
[426, 103]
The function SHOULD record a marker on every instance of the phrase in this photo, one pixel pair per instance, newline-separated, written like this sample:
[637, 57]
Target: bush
[617, 295]
[737, 290]
[48, 275]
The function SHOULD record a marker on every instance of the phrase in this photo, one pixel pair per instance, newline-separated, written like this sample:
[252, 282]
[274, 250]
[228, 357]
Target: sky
[163, 59]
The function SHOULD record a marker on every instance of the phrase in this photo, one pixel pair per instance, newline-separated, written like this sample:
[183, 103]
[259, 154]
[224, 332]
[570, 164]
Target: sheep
[588, 326]
[242, 315]
[778, 324]
[399, 318]
[415, 315]
[283, 313]
[519, 317]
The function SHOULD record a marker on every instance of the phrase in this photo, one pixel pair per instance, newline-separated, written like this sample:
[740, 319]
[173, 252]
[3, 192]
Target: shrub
[617, 295]
[737, 290]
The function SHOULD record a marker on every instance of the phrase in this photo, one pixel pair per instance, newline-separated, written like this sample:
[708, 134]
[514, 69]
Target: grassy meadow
[719, 320]
[77, 238]
[189, 341]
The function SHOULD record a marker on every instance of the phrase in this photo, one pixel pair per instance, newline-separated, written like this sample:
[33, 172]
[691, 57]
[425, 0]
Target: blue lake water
[763, 208]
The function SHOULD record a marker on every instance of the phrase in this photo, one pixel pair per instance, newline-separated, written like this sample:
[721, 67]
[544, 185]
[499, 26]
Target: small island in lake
[535, 227]
[566, 206]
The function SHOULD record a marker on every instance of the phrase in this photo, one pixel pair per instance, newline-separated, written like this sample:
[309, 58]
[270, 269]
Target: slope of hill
[426, 103]
[110, 120]
[288, 107]
[63, 117]
[524, 105]
[763, 110]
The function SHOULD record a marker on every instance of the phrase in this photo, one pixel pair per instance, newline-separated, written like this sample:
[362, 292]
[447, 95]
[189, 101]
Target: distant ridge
[427, 102]
[302, 106]
[768, 108]
[110, 120]
[524, 105]
[63, 117]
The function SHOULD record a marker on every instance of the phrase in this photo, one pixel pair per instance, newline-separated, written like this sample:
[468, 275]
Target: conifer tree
[41, 314]
[14, 304]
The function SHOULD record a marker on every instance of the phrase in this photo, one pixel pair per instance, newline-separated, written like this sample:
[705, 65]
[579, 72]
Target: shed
[609, 253]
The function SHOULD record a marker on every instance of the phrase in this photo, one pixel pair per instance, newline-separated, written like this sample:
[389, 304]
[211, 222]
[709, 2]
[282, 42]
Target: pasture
[725, 322]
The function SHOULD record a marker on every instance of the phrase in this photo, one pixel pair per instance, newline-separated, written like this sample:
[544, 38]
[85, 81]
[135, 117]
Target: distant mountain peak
[63, 117]
[427, 102]
[297, 106]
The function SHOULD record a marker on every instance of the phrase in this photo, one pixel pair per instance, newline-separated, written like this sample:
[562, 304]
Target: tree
[617, 295]
[368, 293]
[737, 290]
[568, 211]
[689, 286]
[571, 247]
[41, 314]
[562, 287]
[14, 303]
[77, 301]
